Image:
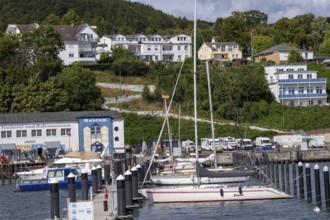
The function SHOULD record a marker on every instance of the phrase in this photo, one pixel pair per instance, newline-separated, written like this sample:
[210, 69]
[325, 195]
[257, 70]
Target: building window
[230, 48]
[301, 69]
[310, 102]
[309, 76]
[66, 132]
[291, 103]
[5, 134]
[51, 132]
[148, 48]
[291, 90]
[306, 55]
[290, 70]
[179, 57]
[300, 76]
[319, 89]
[116, 138]
[71, 55]
[179, 48]
[36, 133]
[301, 90]
[222, 48]
[282, 91]
[290, 76]
[96, 131]
[21, 133]
[280, 70]
[309, 89]
[319, 102]
[186, 48]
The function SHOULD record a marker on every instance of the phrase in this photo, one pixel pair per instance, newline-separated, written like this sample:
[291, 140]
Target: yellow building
[221, 51]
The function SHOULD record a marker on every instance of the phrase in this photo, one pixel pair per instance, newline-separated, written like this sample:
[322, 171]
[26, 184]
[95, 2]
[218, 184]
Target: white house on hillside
[150, 47]
[294, 85]
[79, 40]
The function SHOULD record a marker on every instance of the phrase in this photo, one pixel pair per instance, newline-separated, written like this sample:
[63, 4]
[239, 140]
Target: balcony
[88, 40]
[306, 96]
[296, 81]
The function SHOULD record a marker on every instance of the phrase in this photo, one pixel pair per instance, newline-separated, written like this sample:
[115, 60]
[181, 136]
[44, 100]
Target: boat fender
[240, 190]
[105, 192]
[221, 192]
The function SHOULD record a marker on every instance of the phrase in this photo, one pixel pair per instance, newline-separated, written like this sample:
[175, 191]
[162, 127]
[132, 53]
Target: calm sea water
[36, 206]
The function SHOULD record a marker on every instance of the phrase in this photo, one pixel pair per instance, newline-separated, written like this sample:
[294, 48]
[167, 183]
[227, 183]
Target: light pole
[69, 134]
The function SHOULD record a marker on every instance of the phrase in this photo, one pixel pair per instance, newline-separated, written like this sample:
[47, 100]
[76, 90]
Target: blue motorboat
[42, 182]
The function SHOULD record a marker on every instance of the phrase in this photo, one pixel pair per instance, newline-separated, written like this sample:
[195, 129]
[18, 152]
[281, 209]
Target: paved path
[135, 88]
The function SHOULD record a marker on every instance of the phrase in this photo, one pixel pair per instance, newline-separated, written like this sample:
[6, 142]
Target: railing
[89, 40]
[290, 81]
[311, 95]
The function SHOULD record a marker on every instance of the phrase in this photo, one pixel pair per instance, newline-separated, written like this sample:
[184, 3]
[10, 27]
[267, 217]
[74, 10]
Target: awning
[23, 147]
[10, 146]
[53, 144]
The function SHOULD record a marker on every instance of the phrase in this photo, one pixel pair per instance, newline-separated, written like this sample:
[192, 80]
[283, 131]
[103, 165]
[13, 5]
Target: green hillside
[110, 16]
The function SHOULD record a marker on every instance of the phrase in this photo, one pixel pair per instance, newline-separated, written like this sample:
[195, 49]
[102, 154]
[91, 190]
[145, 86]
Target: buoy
[316, 209]
[105, 193]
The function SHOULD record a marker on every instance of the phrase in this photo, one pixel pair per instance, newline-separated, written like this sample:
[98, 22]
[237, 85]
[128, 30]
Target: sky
[210, 10]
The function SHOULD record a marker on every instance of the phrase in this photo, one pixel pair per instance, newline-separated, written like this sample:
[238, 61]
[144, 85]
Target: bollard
[287, 178]
[84, 185]
[135, 185]
[128, 188]
[317, 185]
[142, 172]
[99, 177]
[54, 199]
[72, 187]
[139, 175]
[121, 197]
[301, 180]
[116, 168]
[308, 182]
[282, 176]
[294, 182]
[94, 180]
[326, 186]
[107, 179]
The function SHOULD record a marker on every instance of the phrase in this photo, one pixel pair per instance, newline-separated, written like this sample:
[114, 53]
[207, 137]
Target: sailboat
[208, 193]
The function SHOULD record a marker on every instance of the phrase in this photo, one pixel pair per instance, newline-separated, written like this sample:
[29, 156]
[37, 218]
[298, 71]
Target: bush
[130, 67]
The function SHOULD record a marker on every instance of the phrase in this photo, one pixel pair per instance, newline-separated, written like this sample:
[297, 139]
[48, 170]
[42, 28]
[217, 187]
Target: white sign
[119, 150]
[81, 211]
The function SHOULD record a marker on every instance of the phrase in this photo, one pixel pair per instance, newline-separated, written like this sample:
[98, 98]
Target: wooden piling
[301, 180]
[317, 185]
[287, 176]
[308, 182]
[294, 178]
[326, 186]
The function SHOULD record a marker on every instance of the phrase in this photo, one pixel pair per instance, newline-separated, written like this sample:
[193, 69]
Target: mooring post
[54, 200]
[128, 188]
[121, 196]
[94, 180]
[308, 182]
[135, 185]
[139, 175]
[84, 185]
[146, 166]
[272, 172]
[72, 187]
[277, 168]
[317, 185]
[282, 176]
[107, 179]
[326, 186]
[294, 176]
[301, 180]
[99, 177]
[2, 174]
[287, 176]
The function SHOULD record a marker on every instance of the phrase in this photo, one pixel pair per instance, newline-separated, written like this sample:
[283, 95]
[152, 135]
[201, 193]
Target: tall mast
[195, 83]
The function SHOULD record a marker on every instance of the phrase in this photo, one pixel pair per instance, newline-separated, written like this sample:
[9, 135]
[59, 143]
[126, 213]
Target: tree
[71, 17]
[254, 18]
[324, 48]
[261, 43]
[81, 85]
[318, 29]
[294, 57]
[120, 52]
[146, 94]
[52, 19]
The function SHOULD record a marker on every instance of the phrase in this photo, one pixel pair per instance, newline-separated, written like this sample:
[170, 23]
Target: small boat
[212, 193]
[43, 182]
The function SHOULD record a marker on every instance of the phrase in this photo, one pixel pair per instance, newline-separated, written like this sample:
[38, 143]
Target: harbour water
[36, 206]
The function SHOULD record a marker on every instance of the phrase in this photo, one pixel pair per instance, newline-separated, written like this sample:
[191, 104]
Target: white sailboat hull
[191, 194]
[192, 179]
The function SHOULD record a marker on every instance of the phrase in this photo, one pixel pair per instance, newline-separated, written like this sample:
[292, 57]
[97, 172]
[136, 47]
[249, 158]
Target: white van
[263, 142]
[244, 144]
[207, 143]
[188, 146]
[229, 143]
